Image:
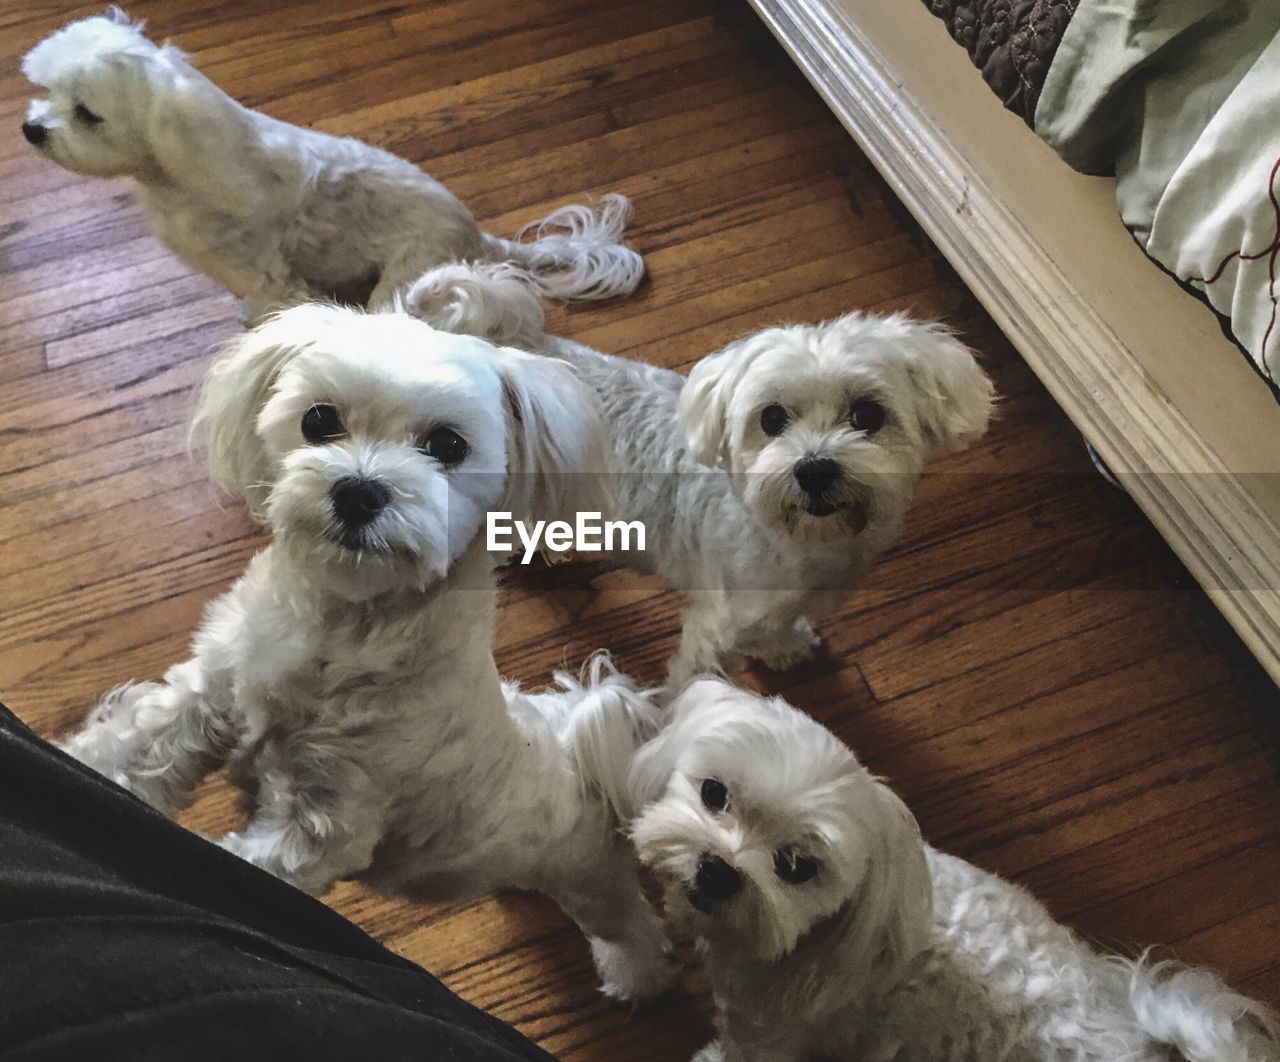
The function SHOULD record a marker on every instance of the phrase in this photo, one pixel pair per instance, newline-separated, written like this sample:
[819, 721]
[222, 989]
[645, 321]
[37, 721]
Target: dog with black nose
[830, 930]
[348, 675]
[773, 477]
[278, 213]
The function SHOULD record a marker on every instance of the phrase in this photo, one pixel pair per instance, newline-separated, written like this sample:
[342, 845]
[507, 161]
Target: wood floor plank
[1165, 849]
[1248, 873]
[147, 465]
[1029, 665]
[1262, 985]
[1231, 945]
[186, 315]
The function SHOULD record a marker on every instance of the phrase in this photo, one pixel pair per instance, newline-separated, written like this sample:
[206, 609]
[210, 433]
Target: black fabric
[123, 936]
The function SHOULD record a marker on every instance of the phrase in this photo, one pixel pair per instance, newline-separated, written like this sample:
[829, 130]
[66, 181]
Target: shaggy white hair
[273, 212]
[772, 479]
[830, 930]
[349, 676]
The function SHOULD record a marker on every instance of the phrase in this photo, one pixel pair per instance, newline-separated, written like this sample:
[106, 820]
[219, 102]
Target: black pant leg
[124, 936]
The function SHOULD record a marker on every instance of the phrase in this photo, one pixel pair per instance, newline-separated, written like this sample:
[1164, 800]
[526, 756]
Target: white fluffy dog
[276, 213]
[772, 479]
[349, 673]
[830, 930]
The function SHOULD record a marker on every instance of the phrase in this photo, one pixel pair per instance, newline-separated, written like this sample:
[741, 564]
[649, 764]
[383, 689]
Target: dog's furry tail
[1197, 1014]
[576, 252]
[497, 301]
[610, 720]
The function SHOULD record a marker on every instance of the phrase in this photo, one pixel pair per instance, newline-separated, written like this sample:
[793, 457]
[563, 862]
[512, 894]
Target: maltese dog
[830, 930]
[772, 479]
[276, 213]
[348, 675]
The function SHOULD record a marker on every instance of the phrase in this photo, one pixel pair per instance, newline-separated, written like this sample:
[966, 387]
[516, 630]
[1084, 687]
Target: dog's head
[377, 445]
[769, 837]
[825, 428]
[118, 105]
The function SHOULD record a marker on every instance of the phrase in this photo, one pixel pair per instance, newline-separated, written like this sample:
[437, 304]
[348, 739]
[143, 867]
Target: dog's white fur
[892, 951]
[349, 673]
[274, 212]
[725, 517]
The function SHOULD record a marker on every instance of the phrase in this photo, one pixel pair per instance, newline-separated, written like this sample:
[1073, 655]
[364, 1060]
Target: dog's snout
[35, 132]
[716, 879]
[357, 501]
[816, 475]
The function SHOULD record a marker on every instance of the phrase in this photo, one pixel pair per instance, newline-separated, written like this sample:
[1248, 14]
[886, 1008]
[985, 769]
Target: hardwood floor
[1029, 666]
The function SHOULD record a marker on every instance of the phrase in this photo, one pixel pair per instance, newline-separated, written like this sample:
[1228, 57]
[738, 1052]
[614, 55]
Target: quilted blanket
[1012, 42]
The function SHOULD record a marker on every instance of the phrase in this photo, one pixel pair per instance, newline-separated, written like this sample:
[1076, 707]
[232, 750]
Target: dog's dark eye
[867, 415]
[83, 114]
[714, 795]
[773, 420]
[321, 423]
[792, 867]
[446, 446]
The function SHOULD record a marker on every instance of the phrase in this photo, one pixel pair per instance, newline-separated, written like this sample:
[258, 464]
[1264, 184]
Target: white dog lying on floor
[830, 930]
[772, 479]
[349, 672]
[273, 212]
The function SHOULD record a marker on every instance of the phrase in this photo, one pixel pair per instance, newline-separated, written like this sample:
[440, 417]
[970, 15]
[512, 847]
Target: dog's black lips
[821, 507]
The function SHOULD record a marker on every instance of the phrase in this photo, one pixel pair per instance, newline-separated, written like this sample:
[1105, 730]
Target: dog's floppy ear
[651, 768]
[556, 457]
[235, 389]
[703, 410]
[886, 923]
[704, 401]
[953, 397]
[655, 761]
[896, 902]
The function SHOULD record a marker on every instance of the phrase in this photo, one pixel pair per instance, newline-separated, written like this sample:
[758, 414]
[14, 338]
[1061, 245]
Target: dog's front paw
[631, 975]
[796, 645]
[269, 852]
[713, 1052]
[262, 852]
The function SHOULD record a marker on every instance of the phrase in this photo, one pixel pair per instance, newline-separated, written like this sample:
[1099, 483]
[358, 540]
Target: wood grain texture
[1030, 666]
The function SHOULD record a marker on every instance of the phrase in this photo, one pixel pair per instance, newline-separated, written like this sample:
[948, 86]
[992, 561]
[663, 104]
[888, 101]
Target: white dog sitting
[276, 213]
[772, 479]
[349, 672]
[830, 930]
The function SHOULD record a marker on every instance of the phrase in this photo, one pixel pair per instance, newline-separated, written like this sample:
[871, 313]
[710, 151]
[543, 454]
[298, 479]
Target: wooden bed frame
[1138, 364]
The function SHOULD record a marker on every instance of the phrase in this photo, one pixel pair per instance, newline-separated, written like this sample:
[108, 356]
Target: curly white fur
[276, 213]
[885, 950]
[727, 519]
[349, 675]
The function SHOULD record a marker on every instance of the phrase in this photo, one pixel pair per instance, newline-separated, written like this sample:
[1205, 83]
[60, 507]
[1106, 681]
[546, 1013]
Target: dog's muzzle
[713, 884]
[35, 133]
